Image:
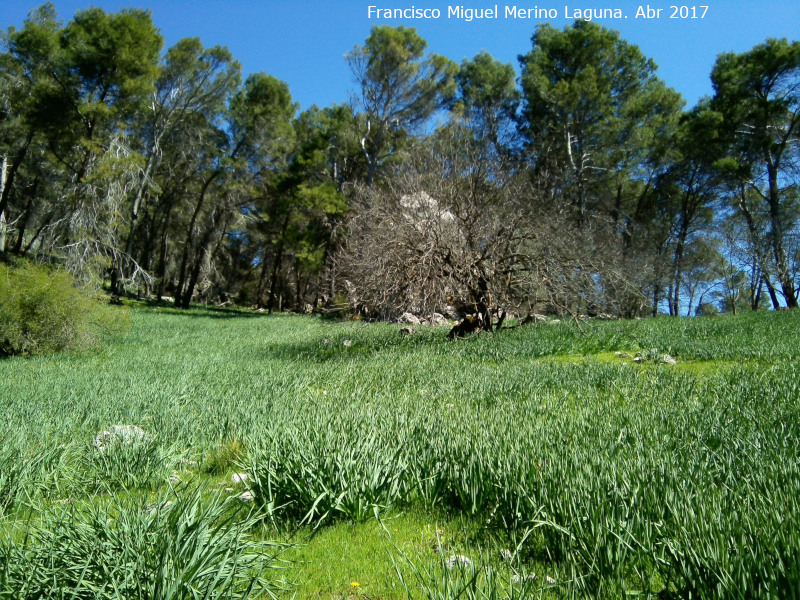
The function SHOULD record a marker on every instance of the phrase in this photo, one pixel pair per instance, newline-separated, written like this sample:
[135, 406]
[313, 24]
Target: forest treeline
[580, 184]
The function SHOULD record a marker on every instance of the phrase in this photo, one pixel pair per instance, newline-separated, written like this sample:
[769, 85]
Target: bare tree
[452, 228]
[442, 231]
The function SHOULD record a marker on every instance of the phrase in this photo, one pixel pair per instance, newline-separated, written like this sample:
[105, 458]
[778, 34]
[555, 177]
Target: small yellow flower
[355, 584]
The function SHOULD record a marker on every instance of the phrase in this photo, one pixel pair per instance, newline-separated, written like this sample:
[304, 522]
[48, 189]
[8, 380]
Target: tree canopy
[580, 184]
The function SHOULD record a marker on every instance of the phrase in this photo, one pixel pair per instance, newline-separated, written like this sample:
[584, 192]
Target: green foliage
[400, 88]
[113, 57]
[757, 94]
[180, 547]
[588, 82]
[488, 96]
[393, 69]
[706, 309]
[42, 310]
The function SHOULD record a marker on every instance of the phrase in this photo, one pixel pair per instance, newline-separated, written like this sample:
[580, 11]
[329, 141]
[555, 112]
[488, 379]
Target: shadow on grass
[201, 310]
[347, 342]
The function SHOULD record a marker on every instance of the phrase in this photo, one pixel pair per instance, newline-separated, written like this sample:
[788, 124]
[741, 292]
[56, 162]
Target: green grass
[608, 476]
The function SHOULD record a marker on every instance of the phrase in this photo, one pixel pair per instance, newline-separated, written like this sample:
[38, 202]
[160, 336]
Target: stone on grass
[438, 320]
[239, 477]
[246, 497]
[523, 578]
[654, 356]
[347, 343]
[408, 331]
[457, 560]
[121, 434]
[408, 319]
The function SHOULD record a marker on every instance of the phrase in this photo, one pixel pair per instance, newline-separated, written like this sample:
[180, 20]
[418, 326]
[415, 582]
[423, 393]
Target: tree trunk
[276, 266]
[3, 167]
[756, 297]
[10, 173]
[773, 295]
[779, 251]
[203, 250]
[162, 258]
[189, 243]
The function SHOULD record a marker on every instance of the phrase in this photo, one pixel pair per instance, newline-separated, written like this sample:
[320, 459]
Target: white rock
[408, 319]
[438, 320]
[246, 497]
[457, 560]
[239, 477]
[121, 434]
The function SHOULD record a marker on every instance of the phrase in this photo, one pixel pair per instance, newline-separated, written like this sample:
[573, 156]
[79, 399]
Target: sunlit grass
[621, 478]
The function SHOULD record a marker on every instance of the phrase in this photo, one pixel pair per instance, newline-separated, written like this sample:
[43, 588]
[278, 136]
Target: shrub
[706, 309]
[43, 310]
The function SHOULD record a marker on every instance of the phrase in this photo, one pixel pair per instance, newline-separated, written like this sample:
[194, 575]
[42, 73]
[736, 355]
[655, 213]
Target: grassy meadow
[373, 461]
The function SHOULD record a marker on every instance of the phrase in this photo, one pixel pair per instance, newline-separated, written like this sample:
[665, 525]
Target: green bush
[43, 310]
[706, 309]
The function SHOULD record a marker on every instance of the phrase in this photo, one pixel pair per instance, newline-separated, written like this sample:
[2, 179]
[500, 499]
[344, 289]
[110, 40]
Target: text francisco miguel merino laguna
[510, 12]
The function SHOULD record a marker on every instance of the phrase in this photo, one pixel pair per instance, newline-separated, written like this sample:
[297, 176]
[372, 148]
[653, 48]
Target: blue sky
[303, 42]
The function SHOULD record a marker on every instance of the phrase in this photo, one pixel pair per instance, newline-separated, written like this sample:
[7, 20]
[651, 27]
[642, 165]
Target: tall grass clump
[352, 467]
[24, 472]
[13, 472]
[43, 310]
[127, 463]
[179, 548]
